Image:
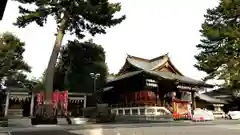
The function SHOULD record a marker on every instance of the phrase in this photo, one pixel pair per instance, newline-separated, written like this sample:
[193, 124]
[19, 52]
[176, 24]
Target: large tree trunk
[53, 60]
[45, 113]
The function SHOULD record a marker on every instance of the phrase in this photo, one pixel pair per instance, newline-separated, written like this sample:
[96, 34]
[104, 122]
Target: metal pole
[95, 76]
[94, 84]
[85, 101]
[95, 89]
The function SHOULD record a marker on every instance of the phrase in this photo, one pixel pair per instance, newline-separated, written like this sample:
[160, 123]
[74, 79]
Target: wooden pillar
[193, 101]
[85, 101]
[6, 103]
[32, 103]
[157, 94]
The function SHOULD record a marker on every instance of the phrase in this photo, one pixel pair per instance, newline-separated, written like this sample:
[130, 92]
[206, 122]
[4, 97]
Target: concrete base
[79, 121]
[44, 121]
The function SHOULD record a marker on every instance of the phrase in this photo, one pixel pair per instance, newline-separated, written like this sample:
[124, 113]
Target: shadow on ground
[43, 132]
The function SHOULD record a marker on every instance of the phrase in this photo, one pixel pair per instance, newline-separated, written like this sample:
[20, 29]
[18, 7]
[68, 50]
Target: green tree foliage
[74, 16]
[18, 80]
[12, 65]
[111, 76]
[39, 83]
[77, 60]
[220, 45]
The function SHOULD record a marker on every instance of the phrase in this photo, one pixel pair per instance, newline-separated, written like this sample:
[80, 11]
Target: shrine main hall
[143, 81]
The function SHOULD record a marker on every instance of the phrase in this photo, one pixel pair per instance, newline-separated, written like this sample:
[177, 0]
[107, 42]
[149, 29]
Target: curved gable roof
[148, 66]
[151, 64]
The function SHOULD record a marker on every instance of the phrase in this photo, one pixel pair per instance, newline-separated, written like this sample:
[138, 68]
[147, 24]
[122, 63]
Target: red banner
[60, 97]
[39, 100]
[57, 97]
[65, 102]
[65, 96]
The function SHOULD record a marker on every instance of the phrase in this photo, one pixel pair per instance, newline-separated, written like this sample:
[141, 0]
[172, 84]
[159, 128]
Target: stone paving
[179, 128]
[147, 130]
[176, 130]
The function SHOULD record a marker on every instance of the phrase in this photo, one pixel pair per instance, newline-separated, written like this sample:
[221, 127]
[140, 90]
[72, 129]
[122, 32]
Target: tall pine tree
[219, 53]
[73, 16]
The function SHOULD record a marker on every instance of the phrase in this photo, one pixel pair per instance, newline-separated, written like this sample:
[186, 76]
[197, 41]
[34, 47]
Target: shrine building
[21, 102]
[147, 82]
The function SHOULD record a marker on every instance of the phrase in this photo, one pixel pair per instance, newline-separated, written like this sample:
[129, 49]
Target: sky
[152, 28]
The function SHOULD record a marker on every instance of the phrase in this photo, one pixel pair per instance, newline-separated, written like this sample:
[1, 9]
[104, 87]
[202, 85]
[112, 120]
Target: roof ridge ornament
[159, 57]
[136, 57]
[165, 60]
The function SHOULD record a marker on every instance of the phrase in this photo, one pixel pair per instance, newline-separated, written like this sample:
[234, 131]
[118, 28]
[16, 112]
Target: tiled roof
[126, 75]
[110, 78]
[162, 75]
[15, 89]
[108, 88]
[210, 99]
[145, 63]
[147, 66]
[175, 77]
[221, 93]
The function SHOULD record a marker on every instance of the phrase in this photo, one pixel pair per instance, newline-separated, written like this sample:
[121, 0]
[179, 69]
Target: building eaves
[210, 99]
[179, 78]
[163, 75]
[126, 75]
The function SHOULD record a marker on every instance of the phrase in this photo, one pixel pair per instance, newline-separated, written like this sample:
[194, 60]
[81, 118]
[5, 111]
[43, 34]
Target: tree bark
[53, 60]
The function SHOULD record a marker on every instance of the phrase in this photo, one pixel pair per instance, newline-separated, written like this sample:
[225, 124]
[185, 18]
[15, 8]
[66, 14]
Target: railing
[133, 105]
[152, 113]
[146, 110]
[218, 114]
